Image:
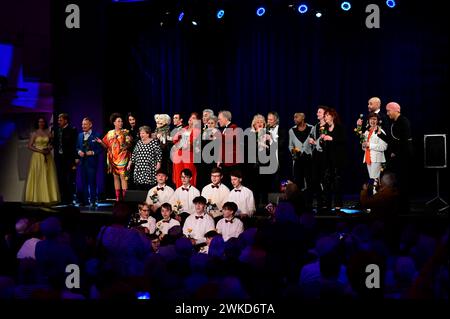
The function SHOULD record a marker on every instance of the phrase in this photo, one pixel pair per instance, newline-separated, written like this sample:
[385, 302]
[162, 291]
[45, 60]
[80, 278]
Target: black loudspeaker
[435, 151]
[135, 196]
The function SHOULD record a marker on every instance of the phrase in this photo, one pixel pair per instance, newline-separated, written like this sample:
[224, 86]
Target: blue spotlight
[260, 11]
[180, 17]
[346, 6]
[390, 3]
[220, 14]
[303, 8]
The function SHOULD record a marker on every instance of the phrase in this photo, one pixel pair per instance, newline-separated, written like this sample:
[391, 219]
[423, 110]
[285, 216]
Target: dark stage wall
[125, 60]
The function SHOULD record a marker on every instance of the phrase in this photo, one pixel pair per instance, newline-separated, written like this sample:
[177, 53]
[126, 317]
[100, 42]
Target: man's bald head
[374, 104]
[393, 110]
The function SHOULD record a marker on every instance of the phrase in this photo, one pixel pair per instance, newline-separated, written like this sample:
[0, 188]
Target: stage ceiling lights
[346, 6]
[220, 14]
[260, 11]
[390, 3]
[181, 16]
[302, 8]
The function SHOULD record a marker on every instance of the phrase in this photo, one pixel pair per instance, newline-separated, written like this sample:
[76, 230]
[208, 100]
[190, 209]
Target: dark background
[123, 59]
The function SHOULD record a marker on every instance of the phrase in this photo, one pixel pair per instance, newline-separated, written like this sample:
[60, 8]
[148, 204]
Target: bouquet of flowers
[177, 208]
[154, 197]
[211, 206]
[189, 230]
[322, 131]
[295, 153]
[158, 230]
[359, 131]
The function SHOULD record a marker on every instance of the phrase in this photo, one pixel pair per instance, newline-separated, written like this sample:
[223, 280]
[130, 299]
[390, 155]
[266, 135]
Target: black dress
[334, 153]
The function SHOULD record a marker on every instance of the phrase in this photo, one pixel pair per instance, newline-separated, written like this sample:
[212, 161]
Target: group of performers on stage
[210, 151]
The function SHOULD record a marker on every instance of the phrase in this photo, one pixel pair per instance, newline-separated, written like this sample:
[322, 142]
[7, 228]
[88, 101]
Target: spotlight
[180, 16]
[346, 6]
[318, 14]
[390, 3]
[260, 11]
[220, 14]
[194, 22]
[302, 8]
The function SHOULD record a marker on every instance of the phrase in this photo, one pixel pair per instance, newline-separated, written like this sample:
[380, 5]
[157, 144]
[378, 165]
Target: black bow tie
[237, 190]
[159, 188]
[198, 217]
[185, 189]
[166, 221]
[229, 221]
[215, 186]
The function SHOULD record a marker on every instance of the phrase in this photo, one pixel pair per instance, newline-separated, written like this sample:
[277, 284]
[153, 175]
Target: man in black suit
[65, 141]
[400, 150]
[279, 136]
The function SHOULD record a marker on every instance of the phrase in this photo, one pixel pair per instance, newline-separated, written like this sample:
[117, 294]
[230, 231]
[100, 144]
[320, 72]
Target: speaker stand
[437, 199]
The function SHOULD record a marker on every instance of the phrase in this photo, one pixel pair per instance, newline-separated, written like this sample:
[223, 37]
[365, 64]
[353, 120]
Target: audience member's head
[121, 213]
[51, 227]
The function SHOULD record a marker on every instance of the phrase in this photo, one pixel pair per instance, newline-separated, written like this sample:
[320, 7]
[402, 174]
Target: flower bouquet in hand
[158, 231]
[212, 209]
[359, 131]
[322, 132]
[177, 208]
[154, 197]
[295, 152]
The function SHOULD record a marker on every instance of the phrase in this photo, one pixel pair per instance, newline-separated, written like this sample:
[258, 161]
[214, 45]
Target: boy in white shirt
[241, 195]
[185, 194]
[216, 192]
[161, 193]
[198, 224]
[166, 223]
[229, 226]
[145, 220]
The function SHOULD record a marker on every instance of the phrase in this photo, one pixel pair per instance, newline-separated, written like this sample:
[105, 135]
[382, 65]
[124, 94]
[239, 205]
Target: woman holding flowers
[335, 158]
[374, 147]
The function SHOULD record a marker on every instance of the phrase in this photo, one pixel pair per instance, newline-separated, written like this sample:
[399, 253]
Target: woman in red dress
[186, 142]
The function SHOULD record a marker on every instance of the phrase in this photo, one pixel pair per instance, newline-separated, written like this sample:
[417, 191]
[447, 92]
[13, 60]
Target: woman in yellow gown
[42, 183]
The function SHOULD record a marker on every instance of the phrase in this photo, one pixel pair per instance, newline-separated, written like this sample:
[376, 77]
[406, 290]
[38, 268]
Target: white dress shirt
[216, 195]
[164, 195]
[230, 227]
[164, 226]
[243, 197]
[150, 224]
[185, 197]
[196, 226]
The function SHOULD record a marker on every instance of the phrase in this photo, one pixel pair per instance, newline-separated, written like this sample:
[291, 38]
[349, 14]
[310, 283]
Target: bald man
[399, 146]
[374, 105]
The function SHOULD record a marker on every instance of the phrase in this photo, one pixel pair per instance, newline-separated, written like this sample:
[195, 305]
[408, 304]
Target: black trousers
[333, 186]
[66, 178]
[303, 177]
[317, 178]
